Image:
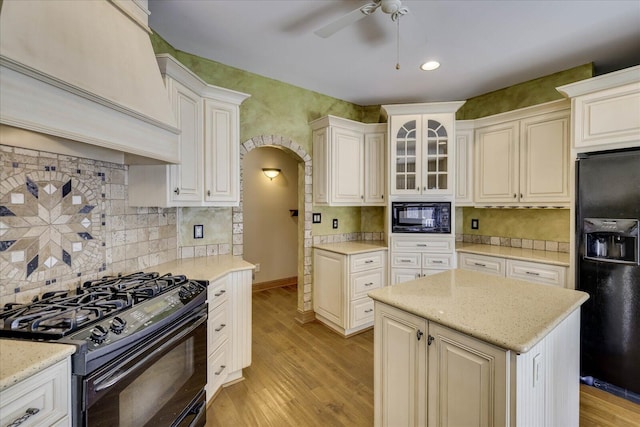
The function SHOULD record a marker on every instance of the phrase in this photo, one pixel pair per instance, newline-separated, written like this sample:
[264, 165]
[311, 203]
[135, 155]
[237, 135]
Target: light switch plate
[317, 218]
[475, 224]
[198, 231]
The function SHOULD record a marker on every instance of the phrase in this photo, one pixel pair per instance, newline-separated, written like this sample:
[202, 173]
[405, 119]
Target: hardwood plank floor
[307, 376]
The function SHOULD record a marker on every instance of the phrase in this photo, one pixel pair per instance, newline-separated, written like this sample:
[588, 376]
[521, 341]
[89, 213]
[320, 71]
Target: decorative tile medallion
[51, 224]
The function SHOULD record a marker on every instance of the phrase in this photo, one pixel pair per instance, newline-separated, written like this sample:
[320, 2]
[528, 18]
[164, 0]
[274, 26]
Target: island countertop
[511, 314]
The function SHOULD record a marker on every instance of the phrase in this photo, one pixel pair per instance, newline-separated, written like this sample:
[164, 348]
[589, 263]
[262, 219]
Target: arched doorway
[305, 237]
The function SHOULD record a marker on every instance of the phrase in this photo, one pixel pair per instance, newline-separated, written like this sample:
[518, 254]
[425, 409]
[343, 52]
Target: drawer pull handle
[220, 370]
[368, 284]
[369, 261]
[27, 414]
[479, 264]
[219, 293]
[219, 328]
[405, 260]
[436, 262]
[421, 245]
[368, 310]
[532, 273]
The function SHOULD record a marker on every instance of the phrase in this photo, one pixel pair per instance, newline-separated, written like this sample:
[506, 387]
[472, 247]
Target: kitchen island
[468, 348]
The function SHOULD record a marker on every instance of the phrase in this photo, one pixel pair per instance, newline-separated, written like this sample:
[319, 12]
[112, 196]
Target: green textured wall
[534, 224]
[277, 108]
[532, 92]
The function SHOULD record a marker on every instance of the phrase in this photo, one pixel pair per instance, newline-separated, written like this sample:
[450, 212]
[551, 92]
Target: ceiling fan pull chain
[398, 45]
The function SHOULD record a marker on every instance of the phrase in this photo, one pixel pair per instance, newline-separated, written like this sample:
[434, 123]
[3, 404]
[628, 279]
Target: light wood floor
[307, 376]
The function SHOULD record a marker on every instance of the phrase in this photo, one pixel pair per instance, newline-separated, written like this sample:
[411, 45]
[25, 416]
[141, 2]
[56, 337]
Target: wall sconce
[271, 172]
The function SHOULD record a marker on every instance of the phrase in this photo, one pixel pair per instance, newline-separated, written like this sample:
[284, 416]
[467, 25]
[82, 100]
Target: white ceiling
[482, 45]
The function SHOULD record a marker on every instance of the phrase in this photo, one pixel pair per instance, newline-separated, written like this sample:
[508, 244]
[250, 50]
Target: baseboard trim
[279, 283]
[305, 316]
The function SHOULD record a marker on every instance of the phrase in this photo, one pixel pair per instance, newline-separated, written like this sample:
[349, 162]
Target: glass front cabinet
[421, 154]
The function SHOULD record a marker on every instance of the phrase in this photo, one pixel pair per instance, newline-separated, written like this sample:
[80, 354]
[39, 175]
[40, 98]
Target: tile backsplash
[65, 220]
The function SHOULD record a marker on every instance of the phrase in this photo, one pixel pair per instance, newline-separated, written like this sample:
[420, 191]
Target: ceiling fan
[391, 7]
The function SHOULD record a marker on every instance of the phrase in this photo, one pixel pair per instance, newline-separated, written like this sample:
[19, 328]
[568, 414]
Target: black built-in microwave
[421, 217]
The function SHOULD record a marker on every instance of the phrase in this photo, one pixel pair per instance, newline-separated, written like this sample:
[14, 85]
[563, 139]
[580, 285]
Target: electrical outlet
[335, 223]
[257, 267]
[198, 231]
[475, 224]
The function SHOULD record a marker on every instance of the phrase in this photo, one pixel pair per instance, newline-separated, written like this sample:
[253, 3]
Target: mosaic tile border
[539, 245]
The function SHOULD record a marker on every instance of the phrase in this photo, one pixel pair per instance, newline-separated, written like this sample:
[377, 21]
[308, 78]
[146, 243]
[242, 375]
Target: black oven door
[159, 383]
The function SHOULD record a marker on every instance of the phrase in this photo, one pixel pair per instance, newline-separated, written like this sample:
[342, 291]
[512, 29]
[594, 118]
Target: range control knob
[184, 293]
[99, 334]
[117, 325]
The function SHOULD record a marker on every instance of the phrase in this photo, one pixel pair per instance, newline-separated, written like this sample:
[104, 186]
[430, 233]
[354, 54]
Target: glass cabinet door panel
[406, 150]
[436, 156]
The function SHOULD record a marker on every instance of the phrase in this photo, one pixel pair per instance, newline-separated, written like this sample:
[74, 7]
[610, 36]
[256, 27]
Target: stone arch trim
[304, 291]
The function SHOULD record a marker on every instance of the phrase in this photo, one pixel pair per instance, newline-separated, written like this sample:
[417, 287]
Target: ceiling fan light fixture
[390, 6]
[430, 66]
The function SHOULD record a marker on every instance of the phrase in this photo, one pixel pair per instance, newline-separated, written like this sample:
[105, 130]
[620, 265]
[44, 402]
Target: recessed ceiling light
[430, 65]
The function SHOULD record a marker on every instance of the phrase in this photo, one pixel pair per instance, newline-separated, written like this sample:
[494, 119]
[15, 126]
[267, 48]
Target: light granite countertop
[546, 257]
[20, 359]
[352, 248]
[204, 268]
[508, 313]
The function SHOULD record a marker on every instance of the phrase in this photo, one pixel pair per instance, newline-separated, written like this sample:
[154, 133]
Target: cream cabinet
[209, 172]
[605, 110]
[421, 148]
[428, 374]
[348, 162]
[340, 286]
[537, 272]
[228, 329]
[523, 161]
[413, 257]
[43, 399]
[464, 163]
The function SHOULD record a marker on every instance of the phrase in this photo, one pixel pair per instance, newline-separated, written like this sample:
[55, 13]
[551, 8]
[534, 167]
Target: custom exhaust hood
[86, 71]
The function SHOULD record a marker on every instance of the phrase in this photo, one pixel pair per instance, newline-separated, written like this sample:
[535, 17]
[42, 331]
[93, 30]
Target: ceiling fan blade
[340, 23]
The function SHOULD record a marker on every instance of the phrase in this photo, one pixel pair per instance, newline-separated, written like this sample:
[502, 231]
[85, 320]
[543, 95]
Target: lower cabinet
[228, 329]
[340, 286]
[547, 274]
[426, 374]
[43, 399]
[413, 257]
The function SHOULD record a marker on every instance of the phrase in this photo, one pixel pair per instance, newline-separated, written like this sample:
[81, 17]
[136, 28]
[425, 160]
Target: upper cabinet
[209, 172]
[464, 163]
[606, 110]
[348, 162]
[522, 157]
[421, 148]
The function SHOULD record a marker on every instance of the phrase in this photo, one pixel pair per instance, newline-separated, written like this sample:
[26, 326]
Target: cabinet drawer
[437, 261]
[405, 260]
[485, 264]
[366, 281]
[422, 243]
[218, 327]
[217, 292]
[367, 261]
[534, 272]
[217, 370]
[361, 312]
[46, 391]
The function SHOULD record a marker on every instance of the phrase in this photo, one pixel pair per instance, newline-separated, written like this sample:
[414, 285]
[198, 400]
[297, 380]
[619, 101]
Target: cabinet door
[496, 163]
[437, 154]
[467, 380]
[347, 162]
[374, 169]
[321, 156]
[186, 178]
[328, 285]
[464, 167]
[401, 275]
[222, 156]
[406, 154]
[399, 368]
[544, 158]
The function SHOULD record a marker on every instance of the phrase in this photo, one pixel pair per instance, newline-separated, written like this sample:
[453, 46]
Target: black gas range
[128, 329]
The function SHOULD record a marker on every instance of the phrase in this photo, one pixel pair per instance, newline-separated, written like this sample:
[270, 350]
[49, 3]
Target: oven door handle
[114, 376]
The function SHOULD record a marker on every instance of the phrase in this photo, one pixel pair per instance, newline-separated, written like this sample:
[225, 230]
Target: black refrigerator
[608, 269]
